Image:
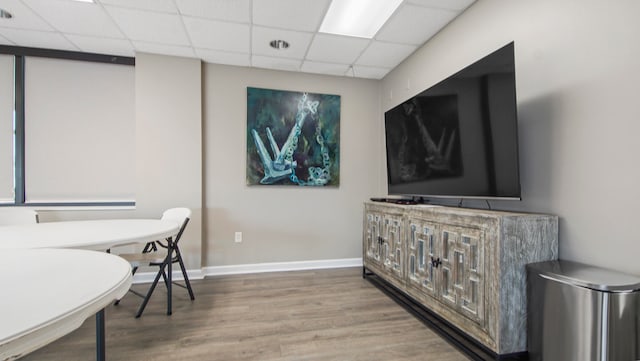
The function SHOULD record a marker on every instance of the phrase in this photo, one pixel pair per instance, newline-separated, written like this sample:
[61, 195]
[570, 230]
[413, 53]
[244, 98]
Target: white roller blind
[6, 129]
[79, 131]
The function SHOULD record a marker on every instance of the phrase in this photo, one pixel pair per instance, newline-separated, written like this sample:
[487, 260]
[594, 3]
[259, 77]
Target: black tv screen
[459, 138]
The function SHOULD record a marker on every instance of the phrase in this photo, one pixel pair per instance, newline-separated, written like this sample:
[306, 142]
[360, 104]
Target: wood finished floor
[305, 315]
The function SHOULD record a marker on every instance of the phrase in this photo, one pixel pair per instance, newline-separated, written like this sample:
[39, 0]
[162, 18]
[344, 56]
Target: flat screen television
[458, 138]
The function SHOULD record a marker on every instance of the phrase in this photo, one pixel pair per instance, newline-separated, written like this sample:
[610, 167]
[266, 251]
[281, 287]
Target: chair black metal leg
[165, 279]
[184, 274]
[153, 287]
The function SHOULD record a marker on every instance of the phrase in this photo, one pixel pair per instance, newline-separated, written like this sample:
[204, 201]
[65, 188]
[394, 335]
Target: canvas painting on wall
[293, 138]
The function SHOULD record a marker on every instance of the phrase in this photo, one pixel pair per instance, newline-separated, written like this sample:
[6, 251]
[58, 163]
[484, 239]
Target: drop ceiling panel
[154, 48]
[218, 35]
[165, 6]
[223, 57]
[150, 26]
[325, 68]
[336, 49]
[298, 42]
[275, 63]
[458, 5]
[232, 32]
[23, 17]
[415, 24]
[385, 55]
[76, 17]
[38, 39]
[91, 44]
[5, 41]
[228, 10]
[304, 15]
[369, 72]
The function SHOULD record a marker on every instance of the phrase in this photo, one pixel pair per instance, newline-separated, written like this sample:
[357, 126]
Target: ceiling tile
[218, 35]
[228, 10]
[325, 68]
[336, 49]
[91, 44]
[268, 62]
[23, 17]
[443, 4]
[370, 72]
[304, 15]
[5, 41]
[223, 57]
[165, 6]
[385, 55]
[174, 50]
[38, 39]
[76, 17]
[232, 32]
[150, 26]
[298, 42]
[414, 24]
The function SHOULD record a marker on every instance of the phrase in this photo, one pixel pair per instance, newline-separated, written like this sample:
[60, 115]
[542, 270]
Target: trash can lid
[587, 276]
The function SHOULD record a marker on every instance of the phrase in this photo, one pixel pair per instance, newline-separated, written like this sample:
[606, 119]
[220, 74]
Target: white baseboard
[194, 274]
[147, 277]
[281, 266]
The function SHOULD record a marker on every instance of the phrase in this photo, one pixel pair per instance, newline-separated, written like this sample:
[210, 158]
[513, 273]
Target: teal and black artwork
[293, 138]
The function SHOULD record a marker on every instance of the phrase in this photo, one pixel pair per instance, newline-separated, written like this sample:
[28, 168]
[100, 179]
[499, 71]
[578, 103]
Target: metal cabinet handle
[436, 262]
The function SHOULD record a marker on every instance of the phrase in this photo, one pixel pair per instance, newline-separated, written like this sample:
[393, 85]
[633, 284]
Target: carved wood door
[373, 244]
[422, 252]
[462, 270]
[393, 245]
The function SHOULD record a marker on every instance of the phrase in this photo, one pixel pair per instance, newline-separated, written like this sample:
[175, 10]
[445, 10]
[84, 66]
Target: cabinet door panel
[462, 270]
[392, 245]
[421, 251]
[373, 245]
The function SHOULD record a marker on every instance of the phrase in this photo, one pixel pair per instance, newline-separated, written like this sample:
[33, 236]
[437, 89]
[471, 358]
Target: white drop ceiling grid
[232, 32]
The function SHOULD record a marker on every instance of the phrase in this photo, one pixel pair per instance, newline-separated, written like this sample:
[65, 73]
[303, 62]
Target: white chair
[152, 255]
[11, 216]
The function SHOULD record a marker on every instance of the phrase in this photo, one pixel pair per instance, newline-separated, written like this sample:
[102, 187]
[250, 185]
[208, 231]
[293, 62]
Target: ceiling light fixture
[359, 18]
[4, 14]
[84, 1]
[279, 44]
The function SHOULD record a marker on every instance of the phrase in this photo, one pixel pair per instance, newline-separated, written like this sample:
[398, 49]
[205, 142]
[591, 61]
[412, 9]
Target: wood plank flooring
[306, 315]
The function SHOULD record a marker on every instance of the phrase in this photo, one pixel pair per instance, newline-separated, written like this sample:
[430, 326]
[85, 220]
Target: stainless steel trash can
[582, 313]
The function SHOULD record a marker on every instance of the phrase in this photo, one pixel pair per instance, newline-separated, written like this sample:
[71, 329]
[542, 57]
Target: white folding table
[48, 293]
[97, 235]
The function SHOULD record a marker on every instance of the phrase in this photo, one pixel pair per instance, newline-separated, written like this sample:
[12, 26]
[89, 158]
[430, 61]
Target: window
[79, 133]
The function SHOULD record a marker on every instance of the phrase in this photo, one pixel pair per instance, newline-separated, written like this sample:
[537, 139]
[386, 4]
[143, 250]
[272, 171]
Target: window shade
[6, 129]
[79, 131]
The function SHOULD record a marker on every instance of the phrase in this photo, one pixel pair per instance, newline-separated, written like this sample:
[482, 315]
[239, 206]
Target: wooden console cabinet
[466, 266]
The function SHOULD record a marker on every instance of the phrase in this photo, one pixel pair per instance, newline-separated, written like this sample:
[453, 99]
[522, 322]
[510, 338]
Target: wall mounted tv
[459, 138]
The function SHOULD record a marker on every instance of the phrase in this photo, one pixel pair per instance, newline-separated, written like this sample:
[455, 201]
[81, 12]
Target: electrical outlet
[238, 237]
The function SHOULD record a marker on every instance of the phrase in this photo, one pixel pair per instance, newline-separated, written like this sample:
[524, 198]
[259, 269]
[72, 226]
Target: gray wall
[578, 80]
[168, 150]
[285, 223]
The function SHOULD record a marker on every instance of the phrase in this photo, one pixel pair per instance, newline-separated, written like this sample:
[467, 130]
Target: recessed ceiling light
[4, 14]
[360, 18]
[84, 1]
[279, 44]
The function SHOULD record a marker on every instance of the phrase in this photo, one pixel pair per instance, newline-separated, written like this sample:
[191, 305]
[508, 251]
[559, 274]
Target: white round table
[53, 237]
[96, 235]
[47, 293]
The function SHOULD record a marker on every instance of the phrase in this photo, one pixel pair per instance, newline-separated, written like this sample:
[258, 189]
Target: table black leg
[100, 338]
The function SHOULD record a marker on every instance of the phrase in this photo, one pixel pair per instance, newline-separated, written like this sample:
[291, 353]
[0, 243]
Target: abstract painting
[293, 138]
